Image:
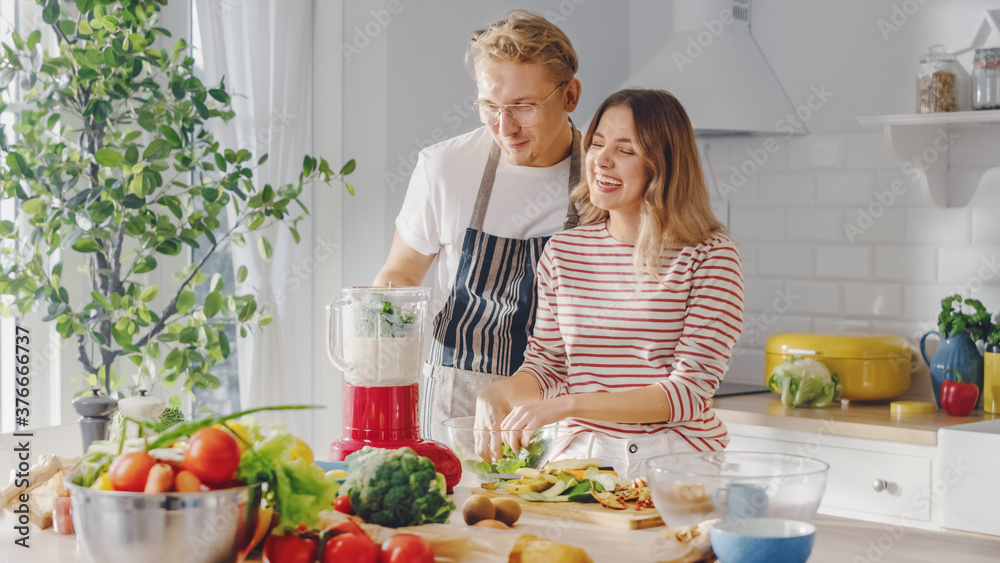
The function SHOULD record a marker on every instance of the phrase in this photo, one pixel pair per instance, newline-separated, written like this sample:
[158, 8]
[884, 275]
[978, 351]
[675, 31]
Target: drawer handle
[880, 485]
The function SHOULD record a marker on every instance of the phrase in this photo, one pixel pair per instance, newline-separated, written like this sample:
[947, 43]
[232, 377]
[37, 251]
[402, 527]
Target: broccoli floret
[396, 488]
[169, 417]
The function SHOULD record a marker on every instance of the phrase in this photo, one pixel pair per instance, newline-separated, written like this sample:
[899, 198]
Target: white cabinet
[872, 480]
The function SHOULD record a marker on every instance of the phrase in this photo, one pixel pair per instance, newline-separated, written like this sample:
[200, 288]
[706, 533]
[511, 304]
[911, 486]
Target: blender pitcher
[375, 335]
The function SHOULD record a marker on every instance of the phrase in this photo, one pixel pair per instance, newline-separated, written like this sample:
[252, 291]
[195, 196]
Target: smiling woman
[638, 308]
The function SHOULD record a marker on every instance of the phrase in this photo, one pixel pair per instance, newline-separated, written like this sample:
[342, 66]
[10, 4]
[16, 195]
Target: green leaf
[17, 163]
[185, 301]
[33, 206]
[238, 240]
[85, 28]
[223, 344]
[262, 160]
[67, 27]
[159, 148]
[7, 228]
[264, 247]
[170, 247]
[50, 14]
[173, 359]
[33, 39]
[266, 320]
[348, 167]
[212, 304]
[171, 136]
[149, 293]
[219, 95]
[86, 245]
[109, 157]
[350, 188]
[241, 274]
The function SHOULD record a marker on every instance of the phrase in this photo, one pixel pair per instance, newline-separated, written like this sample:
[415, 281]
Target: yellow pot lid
[838, 346]
[911, 407]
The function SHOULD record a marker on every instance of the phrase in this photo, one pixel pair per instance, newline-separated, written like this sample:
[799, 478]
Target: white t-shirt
[526, 202]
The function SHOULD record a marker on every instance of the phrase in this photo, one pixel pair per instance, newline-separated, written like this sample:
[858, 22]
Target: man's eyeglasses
[523, 115]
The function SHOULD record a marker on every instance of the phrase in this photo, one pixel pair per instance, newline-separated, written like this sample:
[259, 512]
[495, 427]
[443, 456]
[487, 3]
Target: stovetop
[730, 388]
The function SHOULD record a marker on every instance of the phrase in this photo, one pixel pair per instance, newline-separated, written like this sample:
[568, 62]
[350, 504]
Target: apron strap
[572, 217]
[490, 173]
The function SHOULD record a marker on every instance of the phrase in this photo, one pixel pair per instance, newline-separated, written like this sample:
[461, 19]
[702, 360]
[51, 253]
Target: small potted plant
[959, 331]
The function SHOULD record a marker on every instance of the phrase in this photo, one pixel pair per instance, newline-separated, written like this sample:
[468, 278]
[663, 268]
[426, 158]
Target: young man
[483, 205]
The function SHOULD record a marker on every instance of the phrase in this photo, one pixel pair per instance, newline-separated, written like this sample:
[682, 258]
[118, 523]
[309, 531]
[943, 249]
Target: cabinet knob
[880, 485]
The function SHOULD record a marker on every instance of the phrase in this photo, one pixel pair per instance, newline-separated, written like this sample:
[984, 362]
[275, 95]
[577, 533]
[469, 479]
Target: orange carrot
[161, 477]
[187, 482]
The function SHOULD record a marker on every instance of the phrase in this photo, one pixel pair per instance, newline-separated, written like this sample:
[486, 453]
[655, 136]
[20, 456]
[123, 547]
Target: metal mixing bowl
[206, 527]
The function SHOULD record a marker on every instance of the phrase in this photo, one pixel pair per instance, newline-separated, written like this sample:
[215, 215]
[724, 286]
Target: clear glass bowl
[689, 488]
[463, 438]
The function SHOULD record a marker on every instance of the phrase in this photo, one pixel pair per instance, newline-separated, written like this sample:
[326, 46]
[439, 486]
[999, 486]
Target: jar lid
[95, 404]
[937, 53]
[898, 408]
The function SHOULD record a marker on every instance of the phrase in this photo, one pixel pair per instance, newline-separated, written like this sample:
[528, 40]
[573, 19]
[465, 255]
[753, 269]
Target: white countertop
[838, 540]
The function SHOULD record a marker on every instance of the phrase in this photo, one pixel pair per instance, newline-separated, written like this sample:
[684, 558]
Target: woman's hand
[524, 419]
[492, 406]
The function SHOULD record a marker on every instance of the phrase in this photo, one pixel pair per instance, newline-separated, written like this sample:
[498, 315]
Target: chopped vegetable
[396, 488]
[510, 462]
[804, 382]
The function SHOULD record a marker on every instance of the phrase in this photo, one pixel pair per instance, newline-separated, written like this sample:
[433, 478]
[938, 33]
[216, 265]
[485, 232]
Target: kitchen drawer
[853, 473]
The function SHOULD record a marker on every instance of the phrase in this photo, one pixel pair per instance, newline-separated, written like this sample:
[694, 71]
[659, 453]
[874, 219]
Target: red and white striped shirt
[598, 331]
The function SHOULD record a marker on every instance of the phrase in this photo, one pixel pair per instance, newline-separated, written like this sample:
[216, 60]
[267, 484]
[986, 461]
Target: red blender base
[386, 417]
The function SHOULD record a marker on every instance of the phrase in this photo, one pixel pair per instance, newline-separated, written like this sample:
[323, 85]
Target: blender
[375, 335]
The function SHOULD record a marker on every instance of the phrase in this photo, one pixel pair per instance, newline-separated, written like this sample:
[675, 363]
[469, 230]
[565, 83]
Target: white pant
[626, 455]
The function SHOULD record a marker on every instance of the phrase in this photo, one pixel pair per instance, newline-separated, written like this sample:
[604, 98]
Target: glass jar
[985, 94]
[942, 84]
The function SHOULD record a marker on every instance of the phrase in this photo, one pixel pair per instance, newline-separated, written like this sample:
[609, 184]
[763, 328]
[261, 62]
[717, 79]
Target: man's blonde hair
[524, 37]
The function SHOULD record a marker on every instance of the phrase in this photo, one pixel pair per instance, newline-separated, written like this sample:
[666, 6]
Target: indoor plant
[114, 159]
[959, 332]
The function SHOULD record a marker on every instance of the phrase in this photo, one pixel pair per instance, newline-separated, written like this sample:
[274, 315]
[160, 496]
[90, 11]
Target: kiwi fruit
[491, 523]
[507, 510]
[477, 508]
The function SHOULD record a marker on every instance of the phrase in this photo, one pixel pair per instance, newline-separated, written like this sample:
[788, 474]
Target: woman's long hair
[676, 208]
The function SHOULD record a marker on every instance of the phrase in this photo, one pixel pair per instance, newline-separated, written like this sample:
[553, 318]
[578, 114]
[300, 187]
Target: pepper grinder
[94, 411]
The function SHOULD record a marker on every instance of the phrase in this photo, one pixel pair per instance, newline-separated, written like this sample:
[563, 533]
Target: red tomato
[129, 472]
[406, 548]
[355, 548]
[290, 548]
[343, 504]
[344, 527]
[212, 455]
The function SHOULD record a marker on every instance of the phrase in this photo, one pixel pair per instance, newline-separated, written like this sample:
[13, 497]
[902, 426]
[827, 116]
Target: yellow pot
[870, 368]
[991, 379]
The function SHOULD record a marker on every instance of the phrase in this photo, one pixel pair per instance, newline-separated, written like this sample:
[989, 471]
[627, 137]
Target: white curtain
[263, 48]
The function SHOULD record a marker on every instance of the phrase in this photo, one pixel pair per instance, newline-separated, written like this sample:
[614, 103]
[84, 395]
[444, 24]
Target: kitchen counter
[850, 419]
[838, 540]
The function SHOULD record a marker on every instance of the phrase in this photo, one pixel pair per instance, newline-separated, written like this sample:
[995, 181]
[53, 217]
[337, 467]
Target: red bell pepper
[957, 398]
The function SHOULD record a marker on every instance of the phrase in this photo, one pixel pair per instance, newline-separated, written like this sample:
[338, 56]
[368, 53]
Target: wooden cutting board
[628, 519]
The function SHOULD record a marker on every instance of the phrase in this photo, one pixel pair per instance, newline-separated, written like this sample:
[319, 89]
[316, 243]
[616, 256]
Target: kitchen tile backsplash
[836, 237]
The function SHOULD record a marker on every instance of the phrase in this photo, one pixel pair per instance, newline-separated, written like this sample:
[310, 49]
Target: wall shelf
[923, 140]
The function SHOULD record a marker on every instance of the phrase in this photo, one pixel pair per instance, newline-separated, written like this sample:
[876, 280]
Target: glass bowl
[689, 488]
[462, 437]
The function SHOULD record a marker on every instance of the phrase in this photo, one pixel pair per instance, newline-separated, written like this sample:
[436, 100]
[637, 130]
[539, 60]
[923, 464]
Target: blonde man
[482, 205]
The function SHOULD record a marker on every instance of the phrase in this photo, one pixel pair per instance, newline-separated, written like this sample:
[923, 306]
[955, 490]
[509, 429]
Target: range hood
[712, 64]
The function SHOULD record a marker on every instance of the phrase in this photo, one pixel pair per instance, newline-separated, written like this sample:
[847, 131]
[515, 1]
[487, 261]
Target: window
[225, 398]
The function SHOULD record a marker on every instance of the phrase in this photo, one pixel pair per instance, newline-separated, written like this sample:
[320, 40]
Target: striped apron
[482, 332]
